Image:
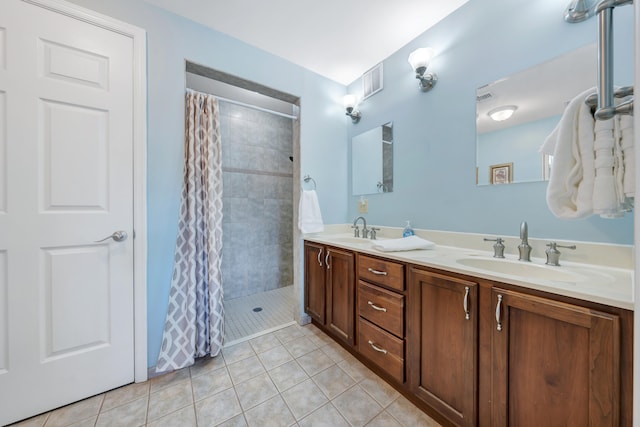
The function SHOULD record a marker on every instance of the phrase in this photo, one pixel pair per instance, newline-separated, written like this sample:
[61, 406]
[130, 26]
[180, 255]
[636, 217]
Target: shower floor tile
[247, 317]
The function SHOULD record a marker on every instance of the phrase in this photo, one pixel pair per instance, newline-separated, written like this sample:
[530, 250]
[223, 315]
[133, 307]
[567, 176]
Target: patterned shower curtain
[194, 325]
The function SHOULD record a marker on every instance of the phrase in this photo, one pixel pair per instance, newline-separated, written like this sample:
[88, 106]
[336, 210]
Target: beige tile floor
[296, 376]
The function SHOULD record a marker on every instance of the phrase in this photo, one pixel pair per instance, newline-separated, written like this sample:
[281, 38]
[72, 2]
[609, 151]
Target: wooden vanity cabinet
[330, 289]
[474, 352]
[553, 363]
[380, 307]
[442, 344]
[314, 281]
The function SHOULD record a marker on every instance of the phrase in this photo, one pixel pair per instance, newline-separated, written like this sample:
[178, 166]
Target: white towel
[606, 200]
[309, 215]
[625, 128]
[404, 244]
[570, 189]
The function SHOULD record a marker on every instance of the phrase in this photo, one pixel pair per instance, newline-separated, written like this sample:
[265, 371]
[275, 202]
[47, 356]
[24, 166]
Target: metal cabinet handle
[326, 260]
[465, 303]
[117, 236]
[376, 348]
[379, 273]
[375, 307]
[499, 313]
[320, 257]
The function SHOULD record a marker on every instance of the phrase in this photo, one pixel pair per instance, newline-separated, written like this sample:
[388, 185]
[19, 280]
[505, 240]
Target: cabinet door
[314, 281]
[553, 363]
[340, 294]
[442, 344]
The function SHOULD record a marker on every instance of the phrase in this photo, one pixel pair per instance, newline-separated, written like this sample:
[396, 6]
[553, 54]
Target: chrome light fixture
[580, 10]
[502, 113]
[350, 105]
[419, 60]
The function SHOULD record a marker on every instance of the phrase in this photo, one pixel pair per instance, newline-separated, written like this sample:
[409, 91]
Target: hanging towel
[570, 188]
[606, 200]
[625, 128]
[309, 215]
[403, 244]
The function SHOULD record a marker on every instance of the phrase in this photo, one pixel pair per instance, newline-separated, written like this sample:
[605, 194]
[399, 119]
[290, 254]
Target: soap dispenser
[408, 231]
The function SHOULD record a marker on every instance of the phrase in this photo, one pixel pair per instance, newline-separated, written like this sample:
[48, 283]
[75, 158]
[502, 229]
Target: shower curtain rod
[255, 107]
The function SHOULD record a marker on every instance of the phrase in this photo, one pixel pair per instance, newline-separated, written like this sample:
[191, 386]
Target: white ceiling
[335, 38]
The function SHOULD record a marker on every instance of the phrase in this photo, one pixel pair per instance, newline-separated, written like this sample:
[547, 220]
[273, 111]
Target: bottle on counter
[408, 231]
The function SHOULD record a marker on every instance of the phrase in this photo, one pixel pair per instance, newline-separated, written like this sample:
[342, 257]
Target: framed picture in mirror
[501, 173]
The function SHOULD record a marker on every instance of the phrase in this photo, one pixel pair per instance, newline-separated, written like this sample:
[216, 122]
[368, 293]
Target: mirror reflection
[372, 161]
[515, 114]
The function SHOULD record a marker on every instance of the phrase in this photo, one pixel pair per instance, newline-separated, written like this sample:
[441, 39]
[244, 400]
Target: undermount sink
[347, 239]
[522, 269]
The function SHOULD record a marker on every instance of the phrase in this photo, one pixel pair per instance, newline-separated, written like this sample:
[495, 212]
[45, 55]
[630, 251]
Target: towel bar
[308, 178]
[606, 108]
[592, 100]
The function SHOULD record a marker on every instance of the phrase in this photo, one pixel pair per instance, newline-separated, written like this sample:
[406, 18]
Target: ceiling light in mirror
[501, 114]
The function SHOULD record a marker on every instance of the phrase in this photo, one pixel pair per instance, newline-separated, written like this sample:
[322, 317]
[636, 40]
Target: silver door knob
[117, 236]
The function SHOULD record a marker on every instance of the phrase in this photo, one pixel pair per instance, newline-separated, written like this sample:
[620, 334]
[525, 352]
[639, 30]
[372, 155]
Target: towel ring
[308, 178]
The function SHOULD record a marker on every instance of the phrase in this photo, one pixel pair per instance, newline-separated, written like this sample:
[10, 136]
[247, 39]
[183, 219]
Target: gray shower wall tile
[257, 200]
[235, 209]
[256, 185]
[241, 156]
[234, 184]
[278, 187]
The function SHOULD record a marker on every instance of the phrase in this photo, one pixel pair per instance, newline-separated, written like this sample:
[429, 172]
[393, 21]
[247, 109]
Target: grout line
[258, 334]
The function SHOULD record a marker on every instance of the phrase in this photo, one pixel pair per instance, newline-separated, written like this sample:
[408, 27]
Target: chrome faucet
[498, 248]
[365, 230]
[553, 254]
[524, 248]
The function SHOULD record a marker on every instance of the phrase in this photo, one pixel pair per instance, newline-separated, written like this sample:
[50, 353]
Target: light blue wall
[519, 145]
[434, 132]
[170, 41]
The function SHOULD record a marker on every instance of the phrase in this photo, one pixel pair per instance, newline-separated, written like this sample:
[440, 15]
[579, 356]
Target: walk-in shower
[257, 133]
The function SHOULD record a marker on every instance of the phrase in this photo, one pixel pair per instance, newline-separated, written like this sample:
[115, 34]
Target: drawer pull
[465, 303]
[320, 257]
[326, 260]
[499, 313]
[376, 348]
[375, 307]
[379, 273]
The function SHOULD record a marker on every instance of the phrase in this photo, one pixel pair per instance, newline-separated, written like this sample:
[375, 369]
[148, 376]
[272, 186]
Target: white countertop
[587, 281]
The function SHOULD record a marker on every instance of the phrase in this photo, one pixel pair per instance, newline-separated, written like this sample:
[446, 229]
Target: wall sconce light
[419, 60]
[502, 113]
[350, 105]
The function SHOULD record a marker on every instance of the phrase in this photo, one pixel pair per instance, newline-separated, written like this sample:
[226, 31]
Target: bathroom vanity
[476, 347]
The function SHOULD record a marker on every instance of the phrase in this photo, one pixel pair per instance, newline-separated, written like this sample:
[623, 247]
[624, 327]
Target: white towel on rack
[626, 135]
[570, 189]
[309, 215]
[403, 244]
[606, 197]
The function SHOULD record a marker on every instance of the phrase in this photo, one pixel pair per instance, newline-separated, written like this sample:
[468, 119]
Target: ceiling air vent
[484, 97]
[372, 81]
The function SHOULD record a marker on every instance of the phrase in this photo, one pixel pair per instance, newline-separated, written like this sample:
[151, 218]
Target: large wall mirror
[372, 161]
[507, 150]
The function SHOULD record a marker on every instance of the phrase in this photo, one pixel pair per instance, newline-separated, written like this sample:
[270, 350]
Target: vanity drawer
[382, 307]
[385, 273]
[381, 348]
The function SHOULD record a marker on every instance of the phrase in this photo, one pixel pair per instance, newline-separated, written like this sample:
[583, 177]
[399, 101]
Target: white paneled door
[66, 181]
